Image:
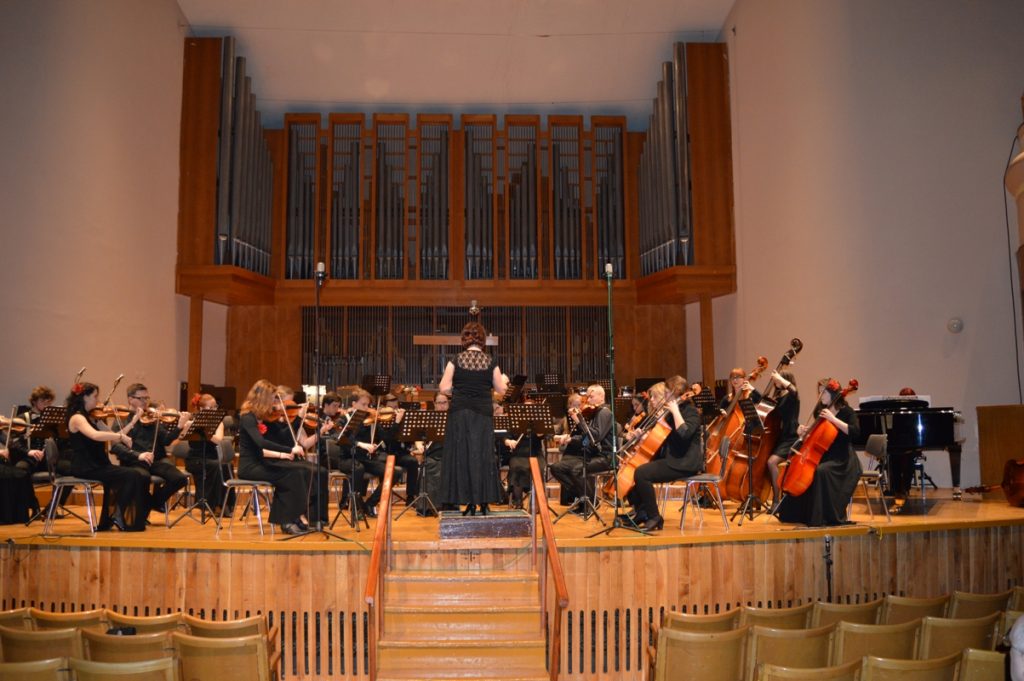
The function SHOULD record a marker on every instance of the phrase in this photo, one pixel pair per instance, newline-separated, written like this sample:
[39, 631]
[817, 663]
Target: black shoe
[484, 509]
[655, 523]
[303, 525]
[291, 528]
[117, 519]
[470, 509]
[370, 512]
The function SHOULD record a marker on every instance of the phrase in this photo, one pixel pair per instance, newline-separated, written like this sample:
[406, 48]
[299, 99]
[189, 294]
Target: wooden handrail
[375, 574]
[555, 561]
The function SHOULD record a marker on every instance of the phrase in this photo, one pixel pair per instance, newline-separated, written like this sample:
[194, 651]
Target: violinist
[739, 385]
[680, 456]
[203, 460]
[288, 429]
[433, 454]
[331, 421]
[361, 461]
[147, 454]
[27, 453]
[125, 492]
[568, 425]
[388, 429]
[825, 501]
[17, 496]
[588, 448]
[787, 406]
[264, 458]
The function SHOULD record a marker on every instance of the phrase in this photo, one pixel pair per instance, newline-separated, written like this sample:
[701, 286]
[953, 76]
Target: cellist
[680, 456]
[787, 405]
[825, 501]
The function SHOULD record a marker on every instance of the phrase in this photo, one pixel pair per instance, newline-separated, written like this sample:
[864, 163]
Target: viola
[815, 442]
[648, 446]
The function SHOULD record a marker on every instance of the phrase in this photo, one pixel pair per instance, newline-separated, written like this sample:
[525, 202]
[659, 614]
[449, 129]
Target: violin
[115, 411]
[813, 445]
[14, 425]
[384, 416]
[165, 416]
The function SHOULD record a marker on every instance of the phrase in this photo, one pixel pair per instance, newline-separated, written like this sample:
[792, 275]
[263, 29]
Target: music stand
[705, 403]
[515, 389]
[501, 425]
[623, 409]
[355, 422]
[752, 505]
[203, 421]
[428, 426]
[550, 383]
[52, 423]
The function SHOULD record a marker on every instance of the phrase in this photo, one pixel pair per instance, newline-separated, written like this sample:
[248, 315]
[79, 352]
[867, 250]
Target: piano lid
[893, 402]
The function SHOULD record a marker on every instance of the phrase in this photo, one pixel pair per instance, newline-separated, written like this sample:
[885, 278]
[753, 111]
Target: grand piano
[909, 423]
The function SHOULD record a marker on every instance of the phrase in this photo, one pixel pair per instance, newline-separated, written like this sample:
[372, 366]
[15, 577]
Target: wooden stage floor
[619, 583]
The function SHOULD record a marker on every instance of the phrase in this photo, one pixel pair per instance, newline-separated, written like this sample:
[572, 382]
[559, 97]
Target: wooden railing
[380, 561]
[539, 506]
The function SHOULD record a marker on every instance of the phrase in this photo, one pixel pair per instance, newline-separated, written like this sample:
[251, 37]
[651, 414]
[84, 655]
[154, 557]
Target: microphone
[608, 270]
[79, 374]
[473, 309]
[321, 271]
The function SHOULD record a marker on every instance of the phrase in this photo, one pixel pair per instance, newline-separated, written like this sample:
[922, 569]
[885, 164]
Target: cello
[813, 445]
[647, 446]
[730, 424]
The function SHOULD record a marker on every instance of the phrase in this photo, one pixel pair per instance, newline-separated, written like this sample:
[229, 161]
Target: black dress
[788, 411]
[290, 482]
[468, 472]
[17, 496]
[124, 488]
[825, 501]
[203, 463]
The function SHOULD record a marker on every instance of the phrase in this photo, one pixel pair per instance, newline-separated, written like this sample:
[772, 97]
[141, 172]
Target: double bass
[647, 446]
[730, 424]
[813, 445]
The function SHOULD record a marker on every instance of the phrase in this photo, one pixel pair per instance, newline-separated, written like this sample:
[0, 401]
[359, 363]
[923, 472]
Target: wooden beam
[195, 344]
[707, 341]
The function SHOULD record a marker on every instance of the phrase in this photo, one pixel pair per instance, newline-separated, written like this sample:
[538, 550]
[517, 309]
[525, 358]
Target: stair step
[484, 586]
[475, 673]
[493, 658]
[498, 524]
[486, 622]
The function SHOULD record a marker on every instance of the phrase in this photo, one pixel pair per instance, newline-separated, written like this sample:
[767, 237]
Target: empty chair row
[242, 658]
[888, 610]
[34, 618]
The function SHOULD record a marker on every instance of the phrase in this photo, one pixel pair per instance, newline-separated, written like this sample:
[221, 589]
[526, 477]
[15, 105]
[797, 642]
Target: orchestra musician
[388, 430]
[357, 460]
[588, 449]
[288, 429]
[835, 479]
[520, 479]
[17, 496]
[468, 472]
[264, 458]
[125, 492]
[28, 453]
[433, 455]
[567, 425]
[738, 384]
[787, 406]
[901, 464]
[203, 460]
[680, 455]
[147, 454]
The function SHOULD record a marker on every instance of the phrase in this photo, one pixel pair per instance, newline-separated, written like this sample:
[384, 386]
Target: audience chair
[966, 605]
[708, 656]
[876, 447]
[854, 640]
[16, 619]
[102, 647]
[862, 613]
[898, 609]
[1007, 621]
[982, 665]
[709, 484]
[147, 624]
[844, 672]
[796, 617]
[799, 648]
[61, 483]
[164, 669]
[257, 624]
[681, 621]
[883, 669]
[37, 670]
[256, 488]
[244, 658]
[941, 636]
[65, 620]
[21, 645]
[1016, 599]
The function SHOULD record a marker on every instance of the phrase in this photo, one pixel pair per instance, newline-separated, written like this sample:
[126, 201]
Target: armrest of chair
[652, 657]
[272, 638]
[274, 662]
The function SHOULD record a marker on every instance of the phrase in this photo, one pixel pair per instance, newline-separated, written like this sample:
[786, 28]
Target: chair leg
[90, 504]
[721, 507]
[51, 511]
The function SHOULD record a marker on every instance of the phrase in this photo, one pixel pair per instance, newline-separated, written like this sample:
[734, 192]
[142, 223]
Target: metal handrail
[554, 561]
[380, 558]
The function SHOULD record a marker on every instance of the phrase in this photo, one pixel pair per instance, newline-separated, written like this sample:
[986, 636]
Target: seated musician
[203, 460]
[331, 420]
[588, 450]
[568, 425]
[288, 430]
[27, 453]
[519, 476]
[360, 460]
[432, 453]
[739, 385]
[147, 454]
[787, 407]
[17, 496]
[835, 479]
[388, 430]
[680, 456]
[901, 464]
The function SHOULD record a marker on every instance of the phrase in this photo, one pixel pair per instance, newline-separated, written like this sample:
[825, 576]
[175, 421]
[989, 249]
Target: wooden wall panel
[1000, 432]
[710, 130]
[264, 341]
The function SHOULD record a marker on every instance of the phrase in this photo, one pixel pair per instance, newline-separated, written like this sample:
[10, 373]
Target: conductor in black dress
[469, 474]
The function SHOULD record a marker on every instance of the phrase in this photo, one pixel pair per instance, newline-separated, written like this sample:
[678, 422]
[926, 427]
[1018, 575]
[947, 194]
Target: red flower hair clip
[77, 389]
[262, 427]
[195, 399]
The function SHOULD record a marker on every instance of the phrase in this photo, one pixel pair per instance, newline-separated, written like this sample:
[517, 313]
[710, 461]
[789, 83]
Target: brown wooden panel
[1000, 434]
[224, 284]
[685, 284]
[277, 143]
[200, 120]
[710, 131]
[633, 146]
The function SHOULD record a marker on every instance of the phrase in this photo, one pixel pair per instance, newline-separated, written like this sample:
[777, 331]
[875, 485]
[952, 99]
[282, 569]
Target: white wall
[89, 194]
[869, 142]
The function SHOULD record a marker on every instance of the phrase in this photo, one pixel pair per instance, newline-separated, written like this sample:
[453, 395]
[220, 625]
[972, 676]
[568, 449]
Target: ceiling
[592, 57]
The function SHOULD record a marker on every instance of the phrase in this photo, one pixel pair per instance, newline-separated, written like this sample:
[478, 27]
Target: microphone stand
[320, 526]
[617, 520]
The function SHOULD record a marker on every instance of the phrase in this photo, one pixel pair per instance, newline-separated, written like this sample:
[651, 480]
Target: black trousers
[642, 496]
[575, 481]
